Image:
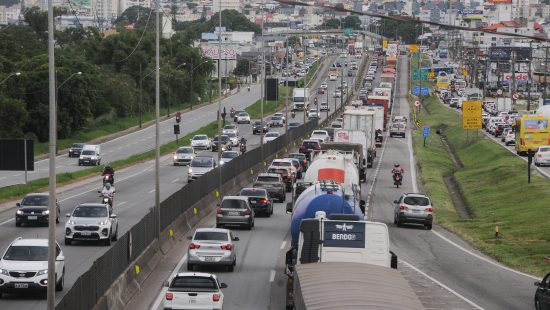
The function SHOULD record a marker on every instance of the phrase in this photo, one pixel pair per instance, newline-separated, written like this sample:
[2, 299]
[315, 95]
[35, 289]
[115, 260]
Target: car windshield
[281, 163]
[267, 179]
[272, 134]
[231, 134]
[26, 253]
[200, 137]
[294, 124]
[201, 162]
[310, 144]
[417, 201]
[88, 153]
[223, 138]
[78, 145]
[35, 200]
[233, 204]
[194, 283]
[276, 118]
[185, 151]
[277, 170]
[230, 154]
[229, 127]
[98, 211]
[211, 235]
[255, 192]
[544, 149]
[243, 114]
[319, 133]
[298, 156]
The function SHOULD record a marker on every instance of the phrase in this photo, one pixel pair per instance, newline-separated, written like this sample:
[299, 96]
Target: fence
[94, 283]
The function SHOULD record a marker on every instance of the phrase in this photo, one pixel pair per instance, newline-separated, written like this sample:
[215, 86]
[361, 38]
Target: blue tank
[317, 197]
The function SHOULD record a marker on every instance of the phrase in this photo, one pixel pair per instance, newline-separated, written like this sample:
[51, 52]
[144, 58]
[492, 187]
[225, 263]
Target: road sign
[417, 103]
[515, 96]
[425, 91]
[471, 114]
[499, 92]
[347, 31]
[423, 72]
[426, 131]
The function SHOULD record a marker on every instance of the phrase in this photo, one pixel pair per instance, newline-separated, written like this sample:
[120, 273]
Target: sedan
[235, 210]
[542, 156]
[34, 209]
[259, 127]
[212, 247]
[282, 115]
[91, 221]
[259, 200]
[413, 208]
[233, 138]
[270, 136]
[230, 128]
[228, 156]
[243, 118]
[201, 142]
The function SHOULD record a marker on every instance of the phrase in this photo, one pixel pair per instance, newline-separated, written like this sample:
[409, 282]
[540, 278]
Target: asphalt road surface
[134, 199]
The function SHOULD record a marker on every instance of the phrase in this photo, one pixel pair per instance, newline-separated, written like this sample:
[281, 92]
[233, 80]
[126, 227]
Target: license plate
[86, 233]
[192, 300]
[21, 285]
[417, 211]
[209, 259]
[32, 217]
[234, 213]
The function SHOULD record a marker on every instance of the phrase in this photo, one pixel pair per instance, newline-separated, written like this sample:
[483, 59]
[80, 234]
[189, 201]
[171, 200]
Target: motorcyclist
[397, 169]
[293, 114]
[243, 141]
[242, 144]
[248, 87]
[108, 170]
[232, 112]
[315, 100]
[108, 191]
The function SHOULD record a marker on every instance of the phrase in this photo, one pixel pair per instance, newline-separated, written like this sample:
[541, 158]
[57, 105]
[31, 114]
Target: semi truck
[378, 123]
[358, 127]
[299, 98]
[382, 101]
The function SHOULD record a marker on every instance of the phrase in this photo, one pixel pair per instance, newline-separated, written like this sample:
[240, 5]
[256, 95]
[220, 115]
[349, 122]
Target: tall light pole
[9, 76]
[52, 148]
[157, 117]
[192, 77]
[220, 98]
[262, 80]
[529, 83]
[57, 97]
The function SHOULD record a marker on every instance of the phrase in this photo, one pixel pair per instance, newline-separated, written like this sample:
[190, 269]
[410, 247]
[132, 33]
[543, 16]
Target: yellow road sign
[385, 44]
[471, 114]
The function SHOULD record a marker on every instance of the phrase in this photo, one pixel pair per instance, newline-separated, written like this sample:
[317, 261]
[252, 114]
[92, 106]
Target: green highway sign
[347, 31]
[416, 74]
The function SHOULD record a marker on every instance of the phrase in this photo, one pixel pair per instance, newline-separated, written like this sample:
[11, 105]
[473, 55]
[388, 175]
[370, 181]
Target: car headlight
[93, 158]
[190, 170]
[4, 272]
[41, 272]
[103, 223]
[81, 157]
[71, 222]
[175, 157]
[222, 162]
[19, 212]
[45, 212]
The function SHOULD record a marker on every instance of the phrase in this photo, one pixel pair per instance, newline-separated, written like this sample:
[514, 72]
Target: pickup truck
[193, 290]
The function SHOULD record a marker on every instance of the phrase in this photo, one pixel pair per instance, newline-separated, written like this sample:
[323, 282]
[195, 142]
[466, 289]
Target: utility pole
[545, 96]
[286, 91]
[529, 77]
[157, 117]
[262, 101]
[306, 95]
[513, 70]
[220, 98]
[52, 148]
[140, 95]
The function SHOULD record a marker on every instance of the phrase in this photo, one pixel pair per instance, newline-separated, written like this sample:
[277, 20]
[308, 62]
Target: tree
[12, 117]
[243, 68]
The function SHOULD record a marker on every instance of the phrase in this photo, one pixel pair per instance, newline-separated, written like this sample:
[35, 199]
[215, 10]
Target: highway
[135, 197]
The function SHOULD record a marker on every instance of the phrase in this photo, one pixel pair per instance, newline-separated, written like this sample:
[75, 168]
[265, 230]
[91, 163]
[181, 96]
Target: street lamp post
[56, 99]
[529, 83]
[192, 77]
[4, 80]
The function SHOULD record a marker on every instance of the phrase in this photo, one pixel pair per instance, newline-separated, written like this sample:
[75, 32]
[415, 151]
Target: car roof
[196, 274]
[254, 189]
[92, 204]
[212, 229]
[415, 195]
[30, 242]
[310, 140]
[282, 159]
[265, 174]
[278, 168]
[37, 194]
[235, 198]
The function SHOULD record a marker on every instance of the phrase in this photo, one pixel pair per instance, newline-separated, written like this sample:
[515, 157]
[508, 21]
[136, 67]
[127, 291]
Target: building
[226, 5]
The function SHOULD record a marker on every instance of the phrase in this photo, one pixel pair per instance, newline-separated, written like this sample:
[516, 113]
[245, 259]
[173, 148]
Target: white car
[510, 139]
[233, 138]
[228, 156]
[332, 77]
[201, 142]
[230, 128]
[542, 156]
[285, 163]
[270, 136]
[324, 106]
[313, 113]
[193, 290]
[324, 85]
[183, 155]
[24, 266]
[91, 221]
[243, 118]
[337, 94]
[320, 134]
[282, 115]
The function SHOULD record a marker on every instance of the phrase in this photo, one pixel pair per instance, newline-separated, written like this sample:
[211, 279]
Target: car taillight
[286, 175]
[539, 155]
[317, 147]
[429, 209]
[264, 201]
[216, 297]
[403, 208]
[302, 148]
[193, 246]
[218, 211]
[247, 212]
[228, 247]
[169, 296]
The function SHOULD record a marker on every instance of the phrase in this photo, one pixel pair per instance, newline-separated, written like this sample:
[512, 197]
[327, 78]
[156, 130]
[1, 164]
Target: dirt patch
[460, 205]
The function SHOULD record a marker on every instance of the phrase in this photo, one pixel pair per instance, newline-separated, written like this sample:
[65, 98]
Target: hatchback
[301, 158]
[542, 156]
[259, 200]
[212, 246]
[285, 173]
[183, 155]
[235, 210]
[285, 163]
[413, 208]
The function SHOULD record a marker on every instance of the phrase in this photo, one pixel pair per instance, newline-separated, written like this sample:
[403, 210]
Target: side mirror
[18, 204]
[166, 284]
[223, 285]
[537, 283]
[189, 237]
[362, 205]
[113, 216]
[396, 201]
[393, 262]
[236, 239]
[67, 215]
[60, 258]
[289, 207]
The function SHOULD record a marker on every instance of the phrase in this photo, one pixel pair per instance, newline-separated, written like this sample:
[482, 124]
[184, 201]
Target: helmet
[107, 185]
[396, 165]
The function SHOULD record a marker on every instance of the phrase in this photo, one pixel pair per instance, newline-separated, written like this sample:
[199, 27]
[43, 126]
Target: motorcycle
[108, 178]
[293, 114]
[242, 148]
[106, 199]
[397, 179]
[248, 88]
[232, 113]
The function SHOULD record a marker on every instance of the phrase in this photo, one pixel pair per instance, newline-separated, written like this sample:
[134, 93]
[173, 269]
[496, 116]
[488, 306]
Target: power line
[140, 39]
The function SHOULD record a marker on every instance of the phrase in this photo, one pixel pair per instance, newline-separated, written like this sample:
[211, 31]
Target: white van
[90, 155]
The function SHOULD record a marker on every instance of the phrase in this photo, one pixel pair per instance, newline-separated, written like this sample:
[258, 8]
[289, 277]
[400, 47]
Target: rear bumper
[417, 219]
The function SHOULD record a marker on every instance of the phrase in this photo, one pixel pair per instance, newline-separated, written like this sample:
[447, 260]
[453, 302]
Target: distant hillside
[9, 2]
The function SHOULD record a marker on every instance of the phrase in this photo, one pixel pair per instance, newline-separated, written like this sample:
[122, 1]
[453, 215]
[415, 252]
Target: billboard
[12, 155]
[504, 53]
[519, 77]
[500, 1]
[470, 12]
[211, 51]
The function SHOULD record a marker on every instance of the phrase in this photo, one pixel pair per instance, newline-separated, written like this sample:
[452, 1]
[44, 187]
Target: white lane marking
[175, 180]
[151, 191]
[483, 258]
[121, 203]
[283, 245]
[16, 175]
[473, 304]
[158, 300]
[272, 275]
[378, 166]
[5, 222]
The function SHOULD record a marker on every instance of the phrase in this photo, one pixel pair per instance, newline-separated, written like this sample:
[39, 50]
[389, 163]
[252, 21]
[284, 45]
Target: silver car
[228, 156]
[199, 166]
[183, 155]
[230, 128]
[211, 246]
[91, 221]
[542, 156]
[276, 121]
[235, 210]
[233, 138]
[413, 208]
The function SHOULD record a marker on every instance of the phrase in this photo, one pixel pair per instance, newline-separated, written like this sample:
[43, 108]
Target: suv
[273, 183]
[309, 146]
[413, 208]
[258, 127]
[91, 221]
[212, 246]
[234, 210]
[397, 129]
[199, 166]
[243, 117]
[34, 208]
[75, 149]
[183, 155]
[201, 142]
[24, 265]
[230, 128]
[259, 200]
[225, 142]
[285, 173]
[191, 290]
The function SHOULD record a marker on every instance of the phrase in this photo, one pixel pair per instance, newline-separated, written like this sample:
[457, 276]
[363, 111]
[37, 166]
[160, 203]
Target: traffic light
[176, 129]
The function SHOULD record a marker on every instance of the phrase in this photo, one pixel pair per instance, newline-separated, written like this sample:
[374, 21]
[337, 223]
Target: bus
[531, 132]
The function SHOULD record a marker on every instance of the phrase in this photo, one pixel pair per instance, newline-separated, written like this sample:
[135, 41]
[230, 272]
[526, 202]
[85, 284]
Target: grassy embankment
[493, 184]
[12, 192]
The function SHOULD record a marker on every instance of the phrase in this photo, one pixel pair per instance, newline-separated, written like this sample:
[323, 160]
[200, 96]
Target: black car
[293, 125]
[500, 129]
[75, 149]
[259, 200]
[226, 143]
[302, 158]
[257, 127]
[542, 295]
[34, 209]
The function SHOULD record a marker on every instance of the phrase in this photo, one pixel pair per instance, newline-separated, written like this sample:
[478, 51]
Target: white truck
[90, 155]
[299, 98]
[358, 127]
[378, 123]
[193, 290]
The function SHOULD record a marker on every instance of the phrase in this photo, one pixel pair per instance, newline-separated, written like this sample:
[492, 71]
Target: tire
[190, 267]
[57, 219]
[429, 226]
[17, 224]
[59, 286]
[230, 268]
[107, 242]
[219, 225]
[68, 241]
[394, 220]
[537, 304]
[115, 237]
[399, 224]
